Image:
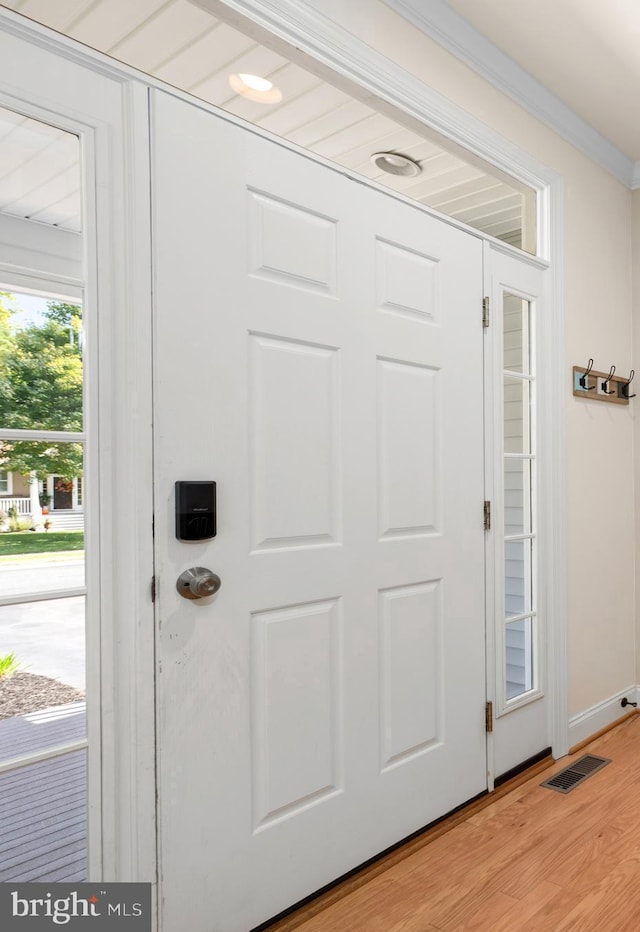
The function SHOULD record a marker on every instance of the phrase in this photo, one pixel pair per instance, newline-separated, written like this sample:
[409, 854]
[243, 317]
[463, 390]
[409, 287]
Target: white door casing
[318, 353]
[51, 79]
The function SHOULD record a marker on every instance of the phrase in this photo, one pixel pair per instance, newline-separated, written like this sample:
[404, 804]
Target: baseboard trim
[599, 718]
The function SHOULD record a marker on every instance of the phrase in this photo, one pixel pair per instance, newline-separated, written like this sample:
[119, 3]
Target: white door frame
[123, 397]
[544, 524]
[109, 113]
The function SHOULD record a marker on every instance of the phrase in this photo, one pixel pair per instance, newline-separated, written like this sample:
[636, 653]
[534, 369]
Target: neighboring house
[64, 494]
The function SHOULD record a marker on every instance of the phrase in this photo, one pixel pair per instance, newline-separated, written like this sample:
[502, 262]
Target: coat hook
[606, 381]
[584, 379]
[625, 387]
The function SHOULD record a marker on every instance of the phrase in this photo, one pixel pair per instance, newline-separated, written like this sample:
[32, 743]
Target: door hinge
[487, 516]
[153, 588]
[485, 312]
[488, 717]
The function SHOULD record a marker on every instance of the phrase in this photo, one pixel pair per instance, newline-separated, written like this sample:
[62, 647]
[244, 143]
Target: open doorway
[43, 731]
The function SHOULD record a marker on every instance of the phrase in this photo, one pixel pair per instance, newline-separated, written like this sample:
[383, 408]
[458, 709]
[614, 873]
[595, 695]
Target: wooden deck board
[71, 820]
[38, 731]
[63, 765]
[43, 811]
[68, 875]
[41, 801]
[12, 799]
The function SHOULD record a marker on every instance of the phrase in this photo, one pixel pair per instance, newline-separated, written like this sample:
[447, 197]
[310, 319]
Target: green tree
[41, 382]
[6, 338]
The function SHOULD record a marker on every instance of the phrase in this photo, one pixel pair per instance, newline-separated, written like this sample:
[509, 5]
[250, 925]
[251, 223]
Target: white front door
[318, 351]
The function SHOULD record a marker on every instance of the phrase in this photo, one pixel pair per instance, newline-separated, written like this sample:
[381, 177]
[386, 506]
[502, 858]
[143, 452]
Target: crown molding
[454, 33]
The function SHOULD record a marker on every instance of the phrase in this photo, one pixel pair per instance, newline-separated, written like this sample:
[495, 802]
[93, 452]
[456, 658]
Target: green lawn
[46, 542]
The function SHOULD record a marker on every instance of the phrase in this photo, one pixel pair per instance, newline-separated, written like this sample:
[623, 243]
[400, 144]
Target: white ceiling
[182, 44]
[39, 172]
[587, 52]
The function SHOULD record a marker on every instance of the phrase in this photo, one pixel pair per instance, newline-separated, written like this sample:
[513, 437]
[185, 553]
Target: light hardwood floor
[533, 861]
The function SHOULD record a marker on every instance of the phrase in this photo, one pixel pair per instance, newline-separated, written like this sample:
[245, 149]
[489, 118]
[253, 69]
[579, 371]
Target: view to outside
[42, 629]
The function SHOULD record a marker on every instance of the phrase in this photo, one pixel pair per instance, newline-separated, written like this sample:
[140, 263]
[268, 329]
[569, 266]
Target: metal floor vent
[577, 772]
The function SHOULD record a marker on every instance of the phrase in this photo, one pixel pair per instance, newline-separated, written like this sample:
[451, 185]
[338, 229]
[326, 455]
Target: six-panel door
[319, 355]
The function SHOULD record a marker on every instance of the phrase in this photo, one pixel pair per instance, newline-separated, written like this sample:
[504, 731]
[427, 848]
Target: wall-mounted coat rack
[602, 386]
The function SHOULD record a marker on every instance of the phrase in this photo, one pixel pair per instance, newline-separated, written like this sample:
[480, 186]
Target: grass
[8, 664]
[36, 542]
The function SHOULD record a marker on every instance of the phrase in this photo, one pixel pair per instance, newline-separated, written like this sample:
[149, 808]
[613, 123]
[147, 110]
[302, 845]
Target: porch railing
[22, 505]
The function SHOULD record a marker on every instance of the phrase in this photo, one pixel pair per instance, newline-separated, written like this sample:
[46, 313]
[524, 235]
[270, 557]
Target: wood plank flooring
[533, 861]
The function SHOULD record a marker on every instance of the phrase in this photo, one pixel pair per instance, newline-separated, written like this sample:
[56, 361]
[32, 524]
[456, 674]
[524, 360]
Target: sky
[28, 309]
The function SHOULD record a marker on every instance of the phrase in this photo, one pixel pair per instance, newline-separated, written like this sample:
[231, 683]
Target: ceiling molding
[454, 33]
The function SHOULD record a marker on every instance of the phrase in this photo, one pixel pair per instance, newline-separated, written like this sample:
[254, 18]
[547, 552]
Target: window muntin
[519, 594]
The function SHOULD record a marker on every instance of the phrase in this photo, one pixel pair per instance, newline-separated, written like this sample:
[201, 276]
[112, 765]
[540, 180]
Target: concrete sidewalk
[48, 638]
[41, 576]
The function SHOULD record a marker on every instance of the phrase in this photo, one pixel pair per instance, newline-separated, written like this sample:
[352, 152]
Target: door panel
[305, 421]
[319, 354]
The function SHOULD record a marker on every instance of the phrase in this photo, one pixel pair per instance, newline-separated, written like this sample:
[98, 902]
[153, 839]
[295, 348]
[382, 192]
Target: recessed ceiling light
[396, 164]
[255, 88]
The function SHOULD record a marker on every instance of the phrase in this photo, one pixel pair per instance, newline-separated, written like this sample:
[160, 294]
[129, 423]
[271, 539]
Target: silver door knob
[198, 583]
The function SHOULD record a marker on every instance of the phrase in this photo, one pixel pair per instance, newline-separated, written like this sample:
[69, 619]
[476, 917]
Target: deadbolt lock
[198, 583]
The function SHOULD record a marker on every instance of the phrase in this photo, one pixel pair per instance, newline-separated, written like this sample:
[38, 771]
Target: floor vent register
[566, 780]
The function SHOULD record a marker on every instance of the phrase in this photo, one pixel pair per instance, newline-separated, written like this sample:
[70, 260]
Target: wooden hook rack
[595, 385]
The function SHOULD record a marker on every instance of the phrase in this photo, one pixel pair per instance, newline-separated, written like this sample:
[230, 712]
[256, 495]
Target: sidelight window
[519, 615]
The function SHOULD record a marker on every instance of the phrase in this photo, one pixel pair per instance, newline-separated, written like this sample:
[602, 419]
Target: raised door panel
[294, 455]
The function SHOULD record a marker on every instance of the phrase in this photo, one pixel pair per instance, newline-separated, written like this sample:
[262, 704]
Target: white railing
[22, 505]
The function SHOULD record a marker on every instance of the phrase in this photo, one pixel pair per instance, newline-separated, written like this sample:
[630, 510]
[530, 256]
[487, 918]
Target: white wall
[598, 313]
